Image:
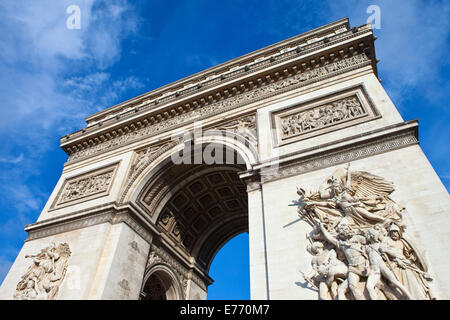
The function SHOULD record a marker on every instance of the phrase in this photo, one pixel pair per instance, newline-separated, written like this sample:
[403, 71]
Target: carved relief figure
[245, 127]
[86, 186]
[353, 215]
[378, 266]
[407, 263]
[352, 245]
[327, 271]
[43, 278]
[142, 158]
[321, 116]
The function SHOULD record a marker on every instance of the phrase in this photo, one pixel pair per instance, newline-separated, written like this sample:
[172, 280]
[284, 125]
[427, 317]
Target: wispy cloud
[15, 160]
[411, 42]
[52, 77]
[44, 54]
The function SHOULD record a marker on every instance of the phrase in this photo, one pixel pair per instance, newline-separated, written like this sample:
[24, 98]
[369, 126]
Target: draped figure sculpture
[356, 221]
[44, 276]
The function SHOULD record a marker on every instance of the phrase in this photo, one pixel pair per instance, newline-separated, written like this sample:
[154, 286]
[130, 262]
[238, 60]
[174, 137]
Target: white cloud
[15, 160]
[88, 82]
[51, 78]
[47, 76]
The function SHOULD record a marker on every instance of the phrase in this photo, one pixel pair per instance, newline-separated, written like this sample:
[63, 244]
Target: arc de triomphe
[296, 143]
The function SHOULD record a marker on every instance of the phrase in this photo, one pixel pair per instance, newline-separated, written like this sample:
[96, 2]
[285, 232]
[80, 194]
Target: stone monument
[297, 144]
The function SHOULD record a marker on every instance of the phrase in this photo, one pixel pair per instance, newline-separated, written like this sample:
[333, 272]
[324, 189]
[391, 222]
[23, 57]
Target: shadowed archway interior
[197, 208]
[155, 288]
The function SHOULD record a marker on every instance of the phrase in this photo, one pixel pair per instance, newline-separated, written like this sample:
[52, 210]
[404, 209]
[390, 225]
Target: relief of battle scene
[43, 278]
[358, 244]
[322, 116]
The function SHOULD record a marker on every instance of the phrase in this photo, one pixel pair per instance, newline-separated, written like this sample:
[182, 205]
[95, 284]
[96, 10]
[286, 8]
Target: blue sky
[52, 77]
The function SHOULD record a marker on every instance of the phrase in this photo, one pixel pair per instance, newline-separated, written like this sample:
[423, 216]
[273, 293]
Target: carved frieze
[104, 213]
[44, 277]
[357, 151]
[322, 115]
[228, 101]
[244, 126]
[147, 155]
[358, 244]
[85, 187]
[211, 78]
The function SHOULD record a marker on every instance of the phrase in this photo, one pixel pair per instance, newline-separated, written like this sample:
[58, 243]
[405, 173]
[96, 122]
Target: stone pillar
[259, 278]
[120, 271]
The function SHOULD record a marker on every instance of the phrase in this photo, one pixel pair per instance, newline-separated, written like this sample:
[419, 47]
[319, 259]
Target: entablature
[299, 67]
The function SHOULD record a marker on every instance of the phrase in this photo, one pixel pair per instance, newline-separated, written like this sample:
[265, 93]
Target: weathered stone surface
[140, 226]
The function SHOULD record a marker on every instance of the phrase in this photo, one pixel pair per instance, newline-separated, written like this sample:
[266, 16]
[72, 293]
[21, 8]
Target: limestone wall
[418, 188]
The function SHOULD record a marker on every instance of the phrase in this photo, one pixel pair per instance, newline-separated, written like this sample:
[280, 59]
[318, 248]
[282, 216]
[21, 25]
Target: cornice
[230, 67]
[180, 102]
[109, 213]
[295, 76]
[350, 149]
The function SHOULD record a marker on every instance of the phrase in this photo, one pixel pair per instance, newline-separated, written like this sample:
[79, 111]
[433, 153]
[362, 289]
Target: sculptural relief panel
[358, 244]
[43, 278]
[322, 115]
[85, 187]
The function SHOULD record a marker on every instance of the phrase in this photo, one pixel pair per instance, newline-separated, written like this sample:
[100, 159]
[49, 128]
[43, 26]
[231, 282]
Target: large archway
[196, 209]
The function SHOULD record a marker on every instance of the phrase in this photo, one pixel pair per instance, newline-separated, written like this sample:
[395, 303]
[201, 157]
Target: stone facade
[290, 115]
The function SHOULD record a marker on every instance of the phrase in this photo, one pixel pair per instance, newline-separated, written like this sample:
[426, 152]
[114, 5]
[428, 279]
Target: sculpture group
[358, 244]
[43, 278]
[337, 111]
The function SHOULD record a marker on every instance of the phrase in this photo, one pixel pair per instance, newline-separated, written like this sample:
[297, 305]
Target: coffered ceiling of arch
[198, 206]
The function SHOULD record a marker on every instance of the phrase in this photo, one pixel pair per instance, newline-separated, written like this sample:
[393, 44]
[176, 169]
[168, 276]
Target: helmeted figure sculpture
[353, 217]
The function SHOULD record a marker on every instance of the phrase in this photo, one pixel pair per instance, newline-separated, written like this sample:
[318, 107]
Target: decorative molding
[75, 221]
[69, 224]
[354, 152]
[84, 187]
[135, 226]
[253, 186]
[244, 126]
[229, 99]
[252, 180]
[143, 159]
[289, 49]
[162, 183]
